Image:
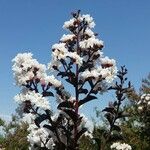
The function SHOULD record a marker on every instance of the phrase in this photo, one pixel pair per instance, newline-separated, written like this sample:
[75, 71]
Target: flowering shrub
[144, 102]
[114, 113]
[120, 146]
[77, 59]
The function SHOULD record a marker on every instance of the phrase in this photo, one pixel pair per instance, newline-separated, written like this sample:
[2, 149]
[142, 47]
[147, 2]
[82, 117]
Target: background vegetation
[135, 127]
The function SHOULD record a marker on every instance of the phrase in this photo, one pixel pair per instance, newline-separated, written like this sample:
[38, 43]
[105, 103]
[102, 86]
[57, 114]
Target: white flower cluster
[69, 23]
[108, 73]
[105, 67]
[68, 37]
[77, 59]
[39, 137]
[144, 102]
[120, 146]
[73, 22]
[91, 43]
[107, 62]
[60, 52]
[78, 47]
[24, 68]
[28, 118]
[52, 80]
[89, 33]
[36, 99]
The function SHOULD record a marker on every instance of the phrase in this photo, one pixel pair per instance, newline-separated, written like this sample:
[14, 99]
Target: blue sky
[34, 25]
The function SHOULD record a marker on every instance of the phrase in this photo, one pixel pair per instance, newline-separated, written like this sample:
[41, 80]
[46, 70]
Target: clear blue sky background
[34, 25]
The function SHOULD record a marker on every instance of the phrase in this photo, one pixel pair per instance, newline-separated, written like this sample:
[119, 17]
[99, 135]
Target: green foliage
[87, 143]
[2, 122]
[136, 128]
[145, 88]
[15, 135]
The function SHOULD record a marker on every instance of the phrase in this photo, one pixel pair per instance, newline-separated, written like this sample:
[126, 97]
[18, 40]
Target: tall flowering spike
[82, 47]
[77, 58]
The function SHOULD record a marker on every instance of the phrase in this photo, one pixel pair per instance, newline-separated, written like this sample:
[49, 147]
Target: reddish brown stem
[76, 89]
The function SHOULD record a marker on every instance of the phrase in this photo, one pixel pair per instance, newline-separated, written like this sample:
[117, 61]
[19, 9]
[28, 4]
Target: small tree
[77, 60]
[114, 114]
[137, 127]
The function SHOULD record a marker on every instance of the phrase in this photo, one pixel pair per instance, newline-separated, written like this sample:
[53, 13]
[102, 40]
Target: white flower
[108, 74]
[24, 68]
[28, 118]
[89, 32]
[54, 63]
[147, 97]
[120, 146]
[76, 57]
[35, 99]
[91, 43]
[51, 79]
[68, 37]
[140, 108]
[59, 46]
[89, 20]
[92, 73]
[144, 101]
[107, 62]
[50, 144]
[139, 102]
[72, 22]
[39, 136]
[59, 51]
[143, 96]
[32, 127]
[69, 23]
